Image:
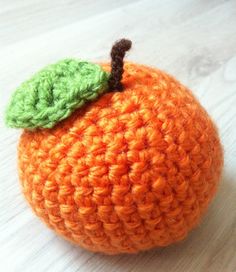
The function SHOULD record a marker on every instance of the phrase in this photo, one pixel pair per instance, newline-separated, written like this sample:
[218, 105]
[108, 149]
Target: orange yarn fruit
[133, 170]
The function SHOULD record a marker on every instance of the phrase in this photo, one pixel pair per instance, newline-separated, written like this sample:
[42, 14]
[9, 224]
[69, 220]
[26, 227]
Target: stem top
[117, 55]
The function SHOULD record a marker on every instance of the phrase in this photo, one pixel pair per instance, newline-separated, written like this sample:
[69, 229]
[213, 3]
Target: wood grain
[195, 40]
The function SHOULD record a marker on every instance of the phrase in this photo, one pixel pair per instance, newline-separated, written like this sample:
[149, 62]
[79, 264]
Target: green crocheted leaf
[52, 94]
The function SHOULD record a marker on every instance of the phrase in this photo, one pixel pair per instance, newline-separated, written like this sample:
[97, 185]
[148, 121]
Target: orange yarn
[134, 170]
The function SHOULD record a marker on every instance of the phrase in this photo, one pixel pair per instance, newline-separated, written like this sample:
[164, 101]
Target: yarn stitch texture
[52, 94]
[133, 170]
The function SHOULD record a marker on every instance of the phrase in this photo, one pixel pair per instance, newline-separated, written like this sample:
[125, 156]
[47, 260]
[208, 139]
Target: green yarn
[52, 94]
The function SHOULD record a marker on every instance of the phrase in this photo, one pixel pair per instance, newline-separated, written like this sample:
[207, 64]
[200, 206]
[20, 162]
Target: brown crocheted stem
[117, 55]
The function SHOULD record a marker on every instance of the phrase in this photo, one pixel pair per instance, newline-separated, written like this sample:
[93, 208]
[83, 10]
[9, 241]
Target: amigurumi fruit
[116, 159]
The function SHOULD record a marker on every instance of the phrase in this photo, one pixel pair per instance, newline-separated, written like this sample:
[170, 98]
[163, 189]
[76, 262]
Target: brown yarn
[117, 55]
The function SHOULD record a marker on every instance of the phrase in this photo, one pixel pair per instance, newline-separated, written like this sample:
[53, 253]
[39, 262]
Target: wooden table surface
[195, 40]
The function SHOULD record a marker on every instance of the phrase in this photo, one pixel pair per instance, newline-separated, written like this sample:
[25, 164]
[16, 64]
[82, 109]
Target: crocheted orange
[133, 170]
